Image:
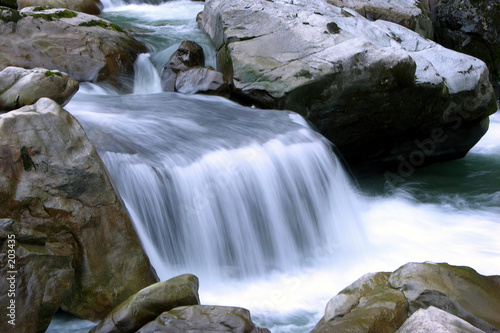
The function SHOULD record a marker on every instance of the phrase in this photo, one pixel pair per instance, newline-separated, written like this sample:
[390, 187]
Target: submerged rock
[149, 303]
[41, 275]
[375, 89]
[436, 321]
[203, 318]
[408, 13]
[85, 6]
[53, 182]
[381, 302]
[20, 87]
[86, 47]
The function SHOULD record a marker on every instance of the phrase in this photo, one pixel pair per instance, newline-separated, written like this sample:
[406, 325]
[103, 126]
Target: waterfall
[116, 3]
[146, 79]
[218, 189]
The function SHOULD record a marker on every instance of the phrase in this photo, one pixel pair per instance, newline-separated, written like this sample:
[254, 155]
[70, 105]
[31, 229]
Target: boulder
[381, 302]
[408, 13]
[39, 276]
[149, 303]
[202, 80]
[203, 318]
[20, 87]
[188, 55]
[460, 291]
[85, 6]
[436, 321]
[84, 46]
[374, 88]
[53, 182]
[471, 27]
[368, 305]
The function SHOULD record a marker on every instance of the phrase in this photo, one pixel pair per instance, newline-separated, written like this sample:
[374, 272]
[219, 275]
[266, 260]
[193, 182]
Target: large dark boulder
[54, 183]
[84, 46]
[374, 88]
[471, 27]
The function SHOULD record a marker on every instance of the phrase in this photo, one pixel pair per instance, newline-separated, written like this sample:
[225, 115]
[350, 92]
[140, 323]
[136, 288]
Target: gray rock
[53, 182]
[85, 6]
[434, 320]
[84, 46]
[447, 303]
[202, 80]
[20, 87]
[381, 302]
[149, 303]
[373, 88]
[188, 55]
[368, 305]
[407, 13]
[458, 290]
[203, 318]
[41, 272]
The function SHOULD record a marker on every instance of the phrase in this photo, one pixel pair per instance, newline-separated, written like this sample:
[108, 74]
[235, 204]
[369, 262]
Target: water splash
[146, 78]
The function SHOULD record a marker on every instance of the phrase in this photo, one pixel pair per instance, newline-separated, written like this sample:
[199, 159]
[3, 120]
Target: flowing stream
[256, 204]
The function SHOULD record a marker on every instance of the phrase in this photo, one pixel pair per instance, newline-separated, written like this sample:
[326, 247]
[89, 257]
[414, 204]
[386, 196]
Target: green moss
[9, 15]
[333, 28]
[346, 13]
[41, 8]
[116, 28]
[57, 15]
[102, 24]
[52, 74]
[396, 37]
[304, 73]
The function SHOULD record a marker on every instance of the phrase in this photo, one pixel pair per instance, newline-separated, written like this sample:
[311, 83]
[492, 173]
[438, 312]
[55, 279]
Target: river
[256, 204]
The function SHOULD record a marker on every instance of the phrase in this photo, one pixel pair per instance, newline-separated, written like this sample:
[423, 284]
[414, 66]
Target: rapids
[257, 204]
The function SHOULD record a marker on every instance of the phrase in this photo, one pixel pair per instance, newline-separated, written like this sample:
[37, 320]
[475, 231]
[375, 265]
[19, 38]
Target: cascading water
[218, 189]
[116, 3]
[256, 204]
[147, 77]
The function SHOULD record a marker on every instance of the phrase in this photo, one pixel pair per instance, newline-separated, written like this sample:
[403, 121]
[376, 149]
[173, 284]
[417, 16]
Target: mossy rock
[102, 24]
[41, 8]
[9, 15]
[56, 15]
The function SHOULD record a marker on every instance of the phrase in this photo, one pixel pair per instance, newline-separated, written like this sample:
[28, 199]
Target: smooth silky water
[256, 204]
